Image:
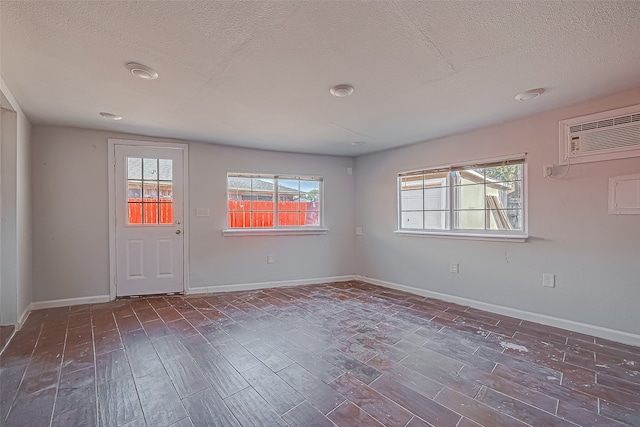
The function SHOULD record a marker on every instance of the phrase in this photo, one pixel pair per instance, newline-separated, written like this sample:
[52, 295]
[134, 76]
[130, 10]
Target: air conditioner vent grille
[605, 123]
[626, 136]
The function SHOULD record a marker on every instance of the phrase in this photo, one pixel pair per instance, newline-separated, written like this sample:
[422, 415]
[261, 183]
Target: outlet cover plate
[548, 280]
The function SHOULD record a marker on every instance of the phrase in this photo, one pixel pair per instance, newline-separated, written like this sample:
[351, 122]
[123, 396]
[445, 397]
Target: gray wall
[16, 229]
[595, 256]
[70, 204]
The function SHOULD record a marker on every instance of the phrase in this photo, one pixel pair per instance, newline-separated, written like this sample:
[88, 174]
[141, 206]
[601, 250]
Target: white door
[149, 232]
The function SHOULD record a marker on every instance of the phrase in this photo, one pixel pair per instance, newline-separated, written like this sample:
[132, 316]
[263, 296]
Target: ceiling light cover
[530, 94]
[356, 143]
[142, 71]
[341, 91]
[110, 116]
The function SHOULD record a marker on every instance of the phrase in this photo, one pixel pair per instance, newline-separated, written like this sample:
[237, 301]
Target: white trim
[518, 238]
[39, 305]
[112, 205]
[266, 285]
[585, 328]
[24, 316]
[272, 231]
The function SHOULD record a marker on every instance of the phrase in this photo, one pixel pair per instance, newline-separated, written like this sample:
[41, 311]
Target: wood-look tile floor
[346, 354]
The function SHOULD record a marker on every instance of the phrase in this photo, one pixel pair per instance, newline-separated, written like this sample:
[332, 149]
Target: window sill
[273, 231]
[516, 238]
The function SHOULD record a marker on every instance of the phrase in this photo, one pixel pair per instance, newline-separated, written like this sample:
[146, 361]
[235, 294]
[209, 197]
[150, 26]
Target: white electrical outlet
[547, 171]
[454, 268]
[548, 280]
[269, 259]
[358, 231]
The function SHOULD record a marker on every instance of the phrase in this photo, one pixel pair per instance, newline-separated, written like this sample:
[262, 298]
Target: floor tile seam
[95, 372]
[555, 414]
[13, 400]
[55, 399]
[135, 385]
[490, 408]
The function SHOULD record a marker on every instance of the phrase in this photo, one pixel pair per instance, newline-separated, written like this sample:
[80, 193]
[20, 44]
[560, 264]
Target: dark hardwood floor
[346, 354]
[5, 333]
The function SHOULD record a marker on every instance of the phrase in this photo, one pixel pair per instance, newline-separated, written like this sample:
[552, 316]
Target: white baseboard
[39, 305]
[265, 285]
[24, 316]
[585, 328]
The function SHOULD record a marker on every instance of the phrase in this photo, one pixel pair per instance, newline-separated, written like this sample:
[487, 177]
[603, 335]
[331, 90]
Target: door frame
[111, 166]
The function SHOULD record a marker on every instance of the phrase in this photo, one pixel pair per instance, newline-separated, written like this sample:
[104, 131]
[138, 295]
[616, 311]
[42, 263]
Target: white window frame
[277, 229]
[468, 234]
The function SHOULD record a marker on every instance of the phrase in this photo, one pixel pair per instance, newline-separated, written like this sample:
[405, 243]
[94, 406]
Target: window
[259, 201]
[149, 191]
[483, 198]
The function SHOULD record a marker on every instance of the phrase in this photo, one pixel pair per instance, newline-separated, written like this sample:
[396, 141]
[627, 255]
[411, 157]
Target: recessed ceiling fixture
[530, 94]
[110, 116]
[356, 143]
[142, 71]
[341, 91]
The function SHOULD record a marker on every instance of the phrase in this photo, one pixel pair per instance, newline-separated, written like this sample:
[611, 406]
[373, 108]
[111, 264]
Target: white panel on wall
[624, 194]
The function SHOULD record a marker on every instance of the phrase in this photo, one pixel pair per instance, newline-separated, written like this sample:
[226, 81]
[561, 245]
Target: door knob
[178, 231]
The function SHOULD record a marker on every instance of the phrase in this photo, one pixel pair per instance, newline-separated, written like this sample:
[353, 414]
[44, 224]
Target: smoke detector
[341, 91]
[110, 116]
[142, 71]
[529, 94]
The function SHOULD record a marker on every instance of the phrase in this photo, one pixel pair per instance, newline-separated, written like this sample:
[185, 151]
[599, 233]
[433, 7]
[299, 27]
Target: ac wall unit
[608, 135]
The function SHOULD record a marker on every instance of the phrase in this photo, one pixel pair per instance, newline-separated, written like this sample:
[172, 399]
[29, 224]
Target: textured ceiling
[257, 74]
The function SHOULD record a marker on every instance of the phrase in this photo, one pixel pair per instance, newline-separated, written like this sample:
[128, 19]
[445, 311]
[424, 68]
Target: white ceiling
[257, 73]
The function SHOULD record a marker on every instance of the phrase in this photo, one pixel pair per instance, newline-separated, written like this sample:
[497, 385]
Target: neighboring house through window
[480, 198]
[273, 201]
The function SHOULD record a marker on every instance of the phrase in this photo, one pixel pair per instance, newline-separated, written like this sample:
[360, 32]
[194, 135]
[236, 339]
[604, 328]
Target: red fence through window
[151, 213]
[260, 214]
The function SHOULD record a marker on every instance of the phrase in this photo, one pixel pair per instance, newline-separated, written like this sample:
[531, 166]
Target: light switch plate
[202, 212]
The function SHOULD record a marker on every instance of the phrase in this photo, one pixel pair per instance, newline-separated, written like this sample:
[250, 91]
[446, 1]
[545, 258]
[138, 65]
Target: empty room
[320, 213]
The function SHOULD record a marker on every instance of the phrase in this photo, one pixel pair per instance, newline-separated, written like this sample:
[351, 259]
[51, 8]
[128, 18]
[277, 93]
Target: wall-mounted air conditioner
[608, 135]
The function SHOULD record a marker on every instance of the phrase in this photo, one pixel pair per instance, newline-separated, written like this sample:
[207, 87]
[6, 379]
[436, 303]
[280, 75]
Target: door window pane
[165, 167]
[165, 213]
[135, 213]
[150, 191]
[150, 181]
[134, 190]
[134, 168]
[150, 169]
[166, 191]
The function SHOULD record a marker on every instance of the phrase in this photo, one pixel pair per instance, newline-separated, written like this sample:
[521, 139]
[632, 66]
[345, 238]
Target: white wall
[70, 205]
[18, 266]
[595, 256]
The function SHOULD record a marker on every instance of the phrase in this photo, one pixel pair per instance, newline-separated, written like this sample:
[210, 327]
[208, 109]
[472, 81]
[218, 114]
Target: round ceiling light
[341, 91]
[110, 116]
[530, 94]
[142, 71]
